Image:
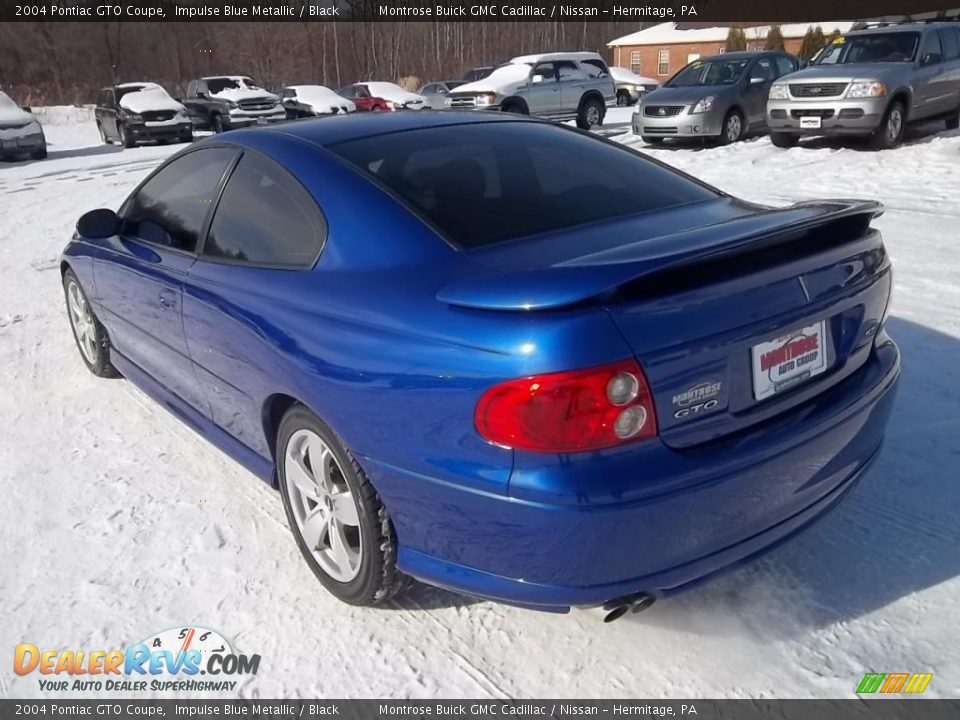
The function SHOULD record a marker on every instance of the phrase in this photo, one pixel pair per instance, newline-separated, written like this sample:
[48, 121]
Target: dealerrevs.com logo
[176, 660]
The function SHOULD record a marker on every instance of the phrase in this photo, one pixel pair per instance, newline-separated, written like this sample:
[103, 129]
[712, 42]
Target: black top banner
[694, 11]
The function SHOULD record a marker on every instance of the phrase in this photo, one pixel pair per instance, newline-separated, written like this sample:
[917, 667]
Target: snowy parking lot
[118, 521]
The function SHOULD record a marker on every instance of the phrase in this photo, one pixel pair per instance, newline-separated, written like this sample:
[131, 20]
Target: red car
[363, 99]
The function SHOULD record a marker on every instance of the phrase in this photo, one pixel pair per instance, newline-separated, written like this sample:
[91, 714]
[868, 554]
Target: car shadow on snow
[894, 535]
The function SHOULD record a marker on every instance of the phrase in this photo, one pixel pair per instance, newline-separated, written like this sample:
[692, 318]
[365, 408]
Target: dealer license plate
[788, 361]
[810, 122]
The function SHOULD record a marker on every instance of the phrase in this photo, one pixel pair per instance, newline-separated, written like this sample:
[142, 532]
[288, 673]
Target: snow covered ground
[117, 521]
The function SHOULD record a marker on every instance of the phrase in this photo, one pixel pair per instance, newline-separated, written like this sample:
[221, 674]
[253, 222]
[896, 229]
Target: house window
[693, 56]
[663, 62]
[635, 61]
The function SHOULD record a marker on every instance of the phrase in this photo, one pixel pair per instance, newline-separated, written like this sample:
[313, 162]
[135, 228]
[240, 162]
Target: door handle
[168, 299]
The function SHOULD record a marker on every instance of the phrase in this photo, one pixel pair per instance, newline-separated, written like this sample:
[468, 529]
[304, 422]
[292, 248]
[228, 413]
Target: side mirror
[98, 224]
[179, 99]
[931, 59]
[757, 80]
[26, 108]
[536, 79]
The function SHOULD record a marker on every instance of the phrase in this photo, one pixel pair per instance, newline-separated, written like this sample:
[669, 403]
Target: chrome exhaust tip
[638, 602]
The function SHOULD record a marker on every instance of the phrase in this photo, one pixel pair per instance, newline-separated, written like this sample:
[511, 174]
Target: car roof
[900, 27]
[344, 128]
[546, 57]
[741, 54]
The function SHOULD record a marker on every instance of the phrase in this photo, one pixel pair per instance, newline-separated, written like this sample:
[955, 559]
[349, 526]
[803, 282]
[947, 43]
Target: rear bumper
[738, 501]
[11, 144]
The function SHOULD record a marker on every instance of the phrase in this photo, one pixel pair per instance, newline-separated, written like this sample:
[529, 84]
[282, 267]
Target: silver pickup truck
[556, 86]
[871, 83]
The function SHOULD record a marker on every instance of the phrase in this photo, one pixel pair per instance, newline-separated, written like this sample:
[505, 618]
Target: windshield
[875, 47]
[215, 85]
[709, 72]
[127, 89]
[493, 181]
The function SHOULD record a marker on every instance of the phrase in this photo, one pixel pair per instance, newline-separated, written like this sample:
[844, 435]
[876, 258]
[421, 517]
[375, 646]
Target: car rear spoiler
[589, 276]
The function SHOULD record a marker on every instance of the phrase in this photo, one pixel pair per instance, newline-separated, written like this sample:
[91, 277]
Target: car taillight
[570, 411]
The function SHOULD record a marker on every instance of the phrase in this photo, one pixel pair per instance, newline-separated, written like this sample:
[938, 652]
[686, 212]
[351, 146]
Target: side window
[948, 39]
[429, 90]
[785, 65]
[289, 93]
[265, 217]
[360, 91]
[547, 71]
[763, 70]
[931, 46]
[595, 68]
[170, 208]
[108, 98]
[569, 71]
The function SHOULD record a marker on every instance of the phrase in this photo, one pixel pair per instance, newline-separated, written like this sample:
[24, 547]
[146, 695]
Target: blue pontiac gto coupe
[495, 354]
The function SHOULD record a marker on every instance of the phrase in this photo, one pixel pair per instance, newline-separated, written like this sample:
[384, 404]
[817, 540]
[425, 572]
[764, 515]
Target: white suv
[556, 86]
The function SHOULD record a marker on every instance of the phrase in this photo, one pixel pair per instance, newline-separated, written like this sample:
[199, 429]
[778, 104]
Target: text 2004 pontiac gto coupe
[494, 354]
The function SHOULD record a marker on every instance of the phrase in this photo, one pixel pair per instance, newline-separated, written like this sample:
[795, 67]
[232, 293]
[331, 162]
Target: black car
[135, 112]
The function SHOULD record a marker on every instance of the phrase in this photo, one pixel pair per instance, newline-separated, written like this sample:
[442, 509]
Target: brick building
[659, 51]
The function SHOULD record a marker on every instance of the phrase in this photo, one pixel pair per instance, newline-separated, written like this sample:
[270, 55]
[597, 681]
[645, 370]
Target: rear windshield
[490, 182]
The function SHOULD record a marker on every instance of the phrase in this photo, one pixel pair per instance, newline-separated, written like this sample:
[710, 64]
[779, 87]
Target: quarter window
[171, 207]
[266, 218]
[931, 46]
[663, 62]
[948, 37]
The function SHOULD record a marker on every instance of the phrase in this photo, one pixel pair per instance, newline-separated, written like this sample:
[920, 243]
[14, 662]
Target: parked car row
[869, 83]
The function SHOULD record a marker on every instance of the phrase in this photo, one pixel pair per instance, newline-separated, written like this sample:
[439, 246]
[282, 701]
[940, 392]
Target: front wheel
[89, 334]
[732, 128]
[187, 138]
[40, 153]
[217, 124]
[590, 115]
[623, 98]
[337, 519]
[784, 140]
[890, 132]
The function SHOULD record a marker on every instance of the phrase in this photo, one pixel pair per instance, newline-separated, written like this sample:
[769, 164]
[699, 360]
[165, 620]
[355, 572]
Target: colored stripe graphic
[894, 683]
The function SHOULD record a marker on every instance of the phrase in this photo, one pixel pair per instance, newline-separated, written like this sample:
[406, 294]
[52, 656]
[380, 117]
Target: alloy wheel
[734, 128]
[82, 321]
[894, 125]
[323, 505]
[593, 115]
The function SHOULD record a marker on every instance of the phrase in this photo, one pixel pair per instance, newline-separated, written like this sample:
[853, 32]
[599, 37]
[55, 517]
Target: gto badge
[698, 399]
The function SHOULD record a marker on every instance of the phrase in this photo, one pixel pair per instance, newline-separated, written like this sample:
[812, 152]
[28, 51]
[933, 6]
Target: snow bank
[64, 114]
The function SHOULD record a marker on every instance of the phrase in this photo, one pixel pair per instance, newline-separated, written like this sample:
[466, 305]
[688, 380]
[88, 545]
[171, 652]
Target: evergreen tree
[736, 40]
[774, 39]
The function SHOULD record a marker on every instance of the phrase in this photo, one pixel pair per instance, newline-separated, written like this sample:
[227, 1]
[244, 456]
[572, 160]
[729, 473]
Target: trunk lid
[734, 321]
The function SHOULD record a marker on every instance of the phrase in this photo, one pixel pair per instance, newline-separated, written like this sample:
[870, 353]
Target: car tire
[336, 517]
[590, 114]
[890, 131]
[376, 108]
[732, 129]
[125, 138]
[103, 135]
[652, 140]
[39, 153]
[90, 336]
[784, 140]
[623, 98]
[188, 138]
[516, 107]
[216, 123]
